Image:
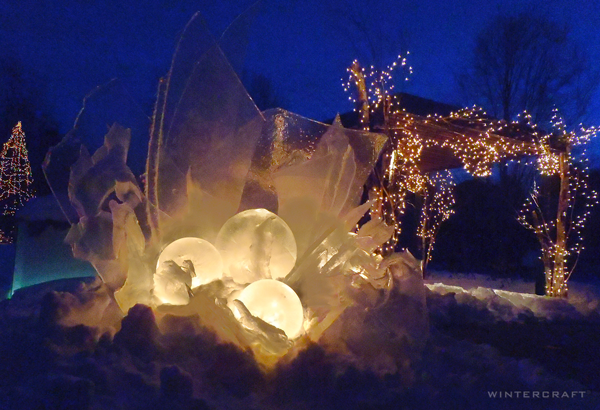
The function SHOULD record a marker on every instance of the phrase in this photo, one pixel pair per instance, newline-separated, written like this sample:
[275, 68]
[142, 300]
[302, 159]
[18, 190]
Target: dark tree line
[529, 62]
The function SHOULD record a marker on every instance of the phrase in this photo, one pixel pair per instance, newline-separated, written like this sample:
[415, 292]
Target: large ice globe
[275, 303]
[205, 258]
[256, 244]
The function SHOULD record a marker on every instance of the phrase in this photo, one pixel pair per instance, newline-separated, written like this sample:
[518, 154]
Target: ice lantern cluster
[205, 237]
[253, 248]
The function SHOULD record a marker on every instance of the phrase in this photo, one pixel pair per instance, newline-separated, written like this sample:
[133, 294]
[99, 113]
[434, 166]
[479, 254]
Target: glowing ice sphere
[275, 303]
[256, 244]
[205, 258]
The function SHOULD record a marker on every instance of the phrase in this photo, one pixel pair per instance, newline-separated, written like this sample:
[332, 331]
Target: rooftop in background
[413, 118]
[412, 104]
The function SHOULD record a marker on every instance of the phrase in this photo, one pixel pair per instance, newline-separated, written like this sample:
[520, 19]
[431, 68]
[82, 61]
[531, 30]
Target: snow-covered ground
[491, 346]
[497, 324]
[507, 298]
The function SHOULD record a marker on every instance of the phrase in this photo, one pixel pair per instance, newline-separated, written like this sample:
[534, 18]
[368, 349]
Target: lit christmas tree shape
[15, 173]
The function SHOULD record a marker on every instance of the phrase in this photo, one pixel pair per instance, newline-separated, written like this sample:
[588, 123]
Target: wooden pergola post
[555, 278]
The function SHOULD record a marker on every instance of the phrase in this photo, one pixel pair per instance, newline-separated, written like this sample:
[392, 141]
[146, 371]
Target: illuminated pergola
[422, 149]
[448, 144]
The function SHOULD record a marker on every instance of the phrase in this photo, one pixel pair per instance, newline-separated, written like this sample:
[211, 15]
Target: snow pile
[151, 361]
[508, 299]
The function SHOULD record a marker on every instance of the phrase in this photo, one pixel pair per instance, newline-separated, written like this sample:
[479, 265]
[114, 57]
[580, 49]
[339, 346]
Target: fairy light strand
[15, 176]
[475, 139]
[561, 235]
[438, 206]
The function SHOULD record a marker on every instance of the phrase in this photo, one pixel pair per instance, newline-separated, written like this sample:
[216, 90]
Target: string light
[5, 238]
[438, 206]
[560, 237]
[479, 142]
[397, 172]
[15, 176]
[476, 140]
[378, 83]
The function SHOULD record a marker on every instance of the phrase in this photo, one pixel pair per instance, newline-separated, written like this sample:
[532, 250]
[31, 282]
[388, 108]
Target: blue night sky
[303, 47]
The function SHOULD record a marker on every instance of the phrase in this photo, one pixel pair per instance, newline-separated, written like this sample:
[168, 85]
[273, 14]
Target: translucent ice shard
[172, 283]
[316, 192]
[105, 105]
[256, 244]
[104, 193]
[204, 129]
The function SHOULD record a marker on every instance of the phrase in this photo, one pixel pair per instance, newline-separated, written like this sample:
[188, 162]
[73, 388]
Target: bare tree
[372, 30]
[529, 63]
[262, 92]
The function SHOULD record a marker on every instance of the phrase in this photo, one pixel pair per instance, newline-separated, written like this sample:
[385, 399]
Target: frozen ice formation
[277, 194]
[206, 263]
[275, 303]
[256, 244]
[172, 283]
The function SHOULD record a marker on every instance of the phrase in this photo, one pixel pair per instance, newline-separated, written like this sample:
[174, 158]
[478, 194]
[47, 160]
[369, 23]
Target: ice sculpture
[256, 244]
[206, 263]
[277, 193]
[275, 303]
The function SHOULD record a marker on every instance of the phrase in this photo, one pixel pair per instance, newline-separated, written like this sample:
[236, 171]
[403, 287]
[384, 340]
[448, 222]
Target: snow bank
[508, 299]
[176, 362]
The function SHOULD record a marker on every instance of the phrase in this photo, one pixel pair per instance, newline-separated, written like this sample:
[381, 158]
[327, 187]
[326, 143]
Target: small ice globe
[256, 244]
[275, 303]
[205, 258]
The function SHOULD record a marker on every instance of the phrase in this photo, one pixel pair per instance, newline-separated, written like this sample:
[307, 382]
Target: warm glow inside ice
[172, 284]
[275, 303]
[256, 244]
[205, 258]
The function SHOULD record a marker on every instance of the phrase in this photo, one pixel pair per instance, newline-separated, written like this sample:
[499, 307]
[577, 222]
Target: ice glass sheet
[205, 127]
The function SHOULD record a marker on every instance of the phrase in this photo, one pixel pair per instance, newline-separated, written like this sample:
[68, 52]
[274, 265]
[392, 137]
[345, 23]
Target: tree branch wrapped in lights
[247, 217]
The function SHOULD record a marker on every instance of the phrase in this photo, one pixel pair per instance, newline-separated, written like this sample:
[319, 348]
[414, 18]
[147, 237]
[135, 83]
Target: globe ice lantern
[256, 244]
[275, 303]
[205, 258]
